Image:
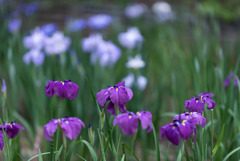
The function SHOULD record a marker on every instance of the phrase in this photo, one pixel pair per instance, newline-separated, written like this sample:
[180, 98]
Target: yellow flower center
[117, 89]
[62, 82]
[183, 122]
[130, 116]
[173, 127]
[138, 113]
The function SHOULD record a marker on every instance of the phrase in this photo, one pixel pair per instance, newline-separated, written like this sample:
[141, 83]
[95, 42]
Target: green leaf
[59, 153]
[156, 144]
[40, 156]
[231, 153]
[69, 155]
[123, 157]
[90, 148]
[35, 156]
[101, 145]
[128, 149]
[218, 142]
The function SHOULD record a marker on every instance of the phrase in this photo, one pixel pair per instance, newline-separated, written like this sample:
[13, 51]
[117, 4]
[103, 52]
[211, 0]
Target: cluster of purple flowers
[71, 126]
[96, 22]
[11, 130]
[230, 78]
[104, 52]
[45, 39]
[184, 125]
[118, 96]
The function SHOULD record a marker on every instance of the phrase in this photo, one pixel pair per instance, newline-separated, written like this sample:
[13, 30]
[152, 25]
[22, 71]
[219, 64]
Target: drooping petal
[11, 132]
[127, 122]
[102, 97]
[194, 105]
[146, 120]
[59, 89]
[171, 132]
[130, 93]
[71, 90]
[198, 119]
[110, 108]
[122, 108]
[186, 130]
[72, 127]
[49, 91]
[1, 141]
[50, 129]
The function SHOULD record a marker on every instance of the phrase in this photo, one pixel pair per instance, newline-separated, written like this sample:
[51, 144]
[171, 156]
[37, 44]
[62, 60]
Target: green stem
[59, 113]
[133, 141]
[212, 128]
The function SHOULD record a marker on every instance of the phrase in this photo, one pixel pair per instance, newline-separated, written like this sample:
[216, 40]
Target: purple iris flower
[34, 55]
[117, 95]
[229, 79]
[63, 89]
[107, 53]
[210, 95]
[76, 25]
[49, 29]
[4, 87]
[178, 129]
[14, 25]
[192, 117]
[11, 129]
[197, 104]
[99, 21]
[128, 122]
[1, 140]
[71, 127]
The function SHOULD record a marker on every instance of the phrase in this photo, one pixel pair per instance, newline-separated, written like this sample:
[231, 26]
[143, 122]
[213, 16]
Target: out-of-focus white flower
[131, 38]
[141, 82]
[162, 11]
[34, 55]
[135, 11]
[57, 43]
[35, 40]
[107, 53]
[90, 43]
[129, 80]
[136, 62]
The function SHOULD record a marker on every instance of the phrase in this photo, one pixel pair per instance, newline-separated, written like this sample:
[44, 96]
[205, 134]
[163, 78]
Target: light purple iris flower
[11, 129]
[229, 79]
[49, 29]
[128, 122]
[36, 40]
[14, 25]
[71, 127]
[57, 43]
[197, 104]
[4, 87]
[63, 89]
[176, 130]
[135, 10]
[99, 21]
[90, 43]
[107, 53]
[76, 25]
[34, 55]
[117, 95]
[192, 117]
[131, 39]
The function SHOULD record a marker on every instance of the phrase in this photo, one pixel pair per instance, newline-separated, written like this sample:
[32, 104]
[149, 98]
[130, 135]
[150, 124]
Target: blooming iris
[99, 21]
[36, 40]
[135, 11]
[128, 122]
[71, 127]
[57, 43]
[229, 78]
[76, 25]
[193, 117]
[63, 89]
[196, 104]
[90, 43]
[11, 129]
[163, 11]
[49, 29]
[141, 81]
[14, 25]
[135, 63]
[176, 130]
[34, 55]
[131, 39]
[117, 95]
